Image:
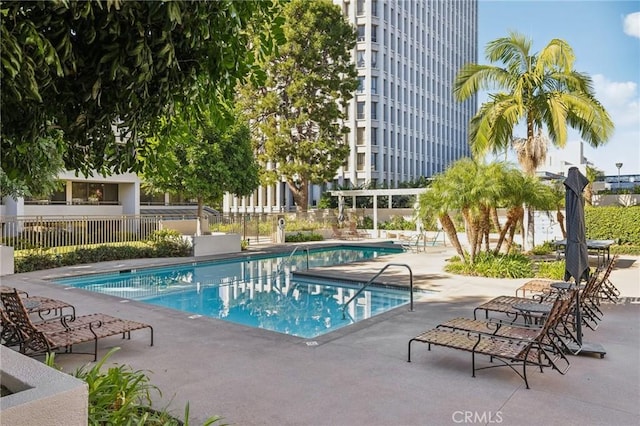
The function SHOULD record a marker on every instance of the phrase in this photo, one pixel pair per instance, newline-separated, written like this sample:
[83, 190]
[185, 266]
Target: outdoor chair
[337, 232]
[538, 349]
[608, 290]
[45, 307]
[591, 314]
[62, 333]
[562, 336]
[355, 232]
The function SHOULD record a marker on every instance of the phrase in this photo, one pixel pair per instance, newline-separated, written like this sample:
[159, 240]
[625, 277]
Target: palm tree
[470, 187]
[592, 175]
[516, 189]
[543, 90]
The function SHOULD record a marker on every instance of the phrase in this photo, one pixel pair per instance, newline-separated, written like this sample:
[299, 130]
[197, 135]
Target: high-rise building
[404, 120]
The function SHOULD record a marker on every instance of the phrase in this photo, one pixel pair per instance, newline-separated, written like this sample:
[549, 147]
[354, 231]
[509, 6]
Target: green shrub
[398, 223]
[613, 223]
[122, 396]
[169, 243]
[546, 248]
[303, 237]
[551, 270]
[497, 266]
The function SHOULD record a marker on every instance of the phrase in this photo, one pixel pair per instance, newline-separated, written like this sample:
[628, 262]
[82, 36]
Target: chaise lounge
[539, 349]
[61, 333]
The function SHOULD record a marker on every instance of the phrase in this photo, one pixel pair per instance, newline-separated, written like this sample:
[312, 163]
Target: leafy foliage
[302, 237]
[488, 264]
[299, 110]
[200, 160]
[121, 395]
[613, 223]
[551, 270]
[165, 243]
[101, 71]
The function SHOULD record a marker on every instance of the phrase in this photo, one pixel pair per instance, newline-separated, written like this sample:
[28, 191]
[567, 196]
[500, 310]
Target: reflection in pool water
[256, 291]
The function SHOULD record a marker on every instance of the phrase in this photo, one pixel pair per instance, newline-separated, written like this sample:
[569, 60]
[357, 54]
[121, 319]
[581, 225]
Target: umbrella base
[587, 348]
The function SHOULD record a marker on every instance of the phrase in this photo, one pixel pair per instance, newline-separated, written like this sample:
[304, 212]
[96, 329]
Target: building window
[360, 136]
[374, 110]
[374, 7]
[360, 88]
[360, 7]
[360, 111]
[94, 193]
[374, 85]
[361, 33]
[374, 161]
[374, 33]
[360, 54]
[374, 59]
[374, 136]
[360, 161]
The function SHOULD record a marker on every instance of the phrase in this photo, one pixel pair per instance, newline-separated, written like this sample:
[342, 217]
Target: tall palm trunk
[513, 215]
[450, 229]
[560, 219]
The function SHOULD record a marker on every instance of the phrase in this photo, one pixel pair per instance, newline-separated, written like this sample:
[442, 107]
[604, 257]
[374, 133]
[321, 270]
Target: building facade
[404, 121]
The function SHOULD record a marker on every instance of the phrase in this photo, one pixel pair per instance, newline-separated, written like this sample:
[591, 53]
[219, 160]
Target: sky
[605, 37]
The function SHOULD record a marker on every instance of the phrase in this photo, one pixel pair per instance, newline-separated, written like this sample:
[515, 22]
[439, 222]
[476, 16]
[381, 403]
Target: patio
[359, 375]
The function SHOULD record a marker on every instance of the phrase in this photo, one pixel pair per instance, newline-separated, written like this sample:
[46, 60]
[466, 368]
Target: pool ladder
[384, 268]
[286, 261]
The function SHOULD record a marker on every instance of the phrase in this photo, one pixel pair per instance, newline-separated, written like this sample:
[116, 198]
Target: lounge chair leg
[409, 352]
[473, 364]
[524, 373]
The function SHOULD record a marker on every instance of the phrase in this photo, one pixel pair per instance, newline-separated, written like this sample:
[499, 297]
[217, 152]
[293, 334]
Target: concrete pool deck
[359, 375]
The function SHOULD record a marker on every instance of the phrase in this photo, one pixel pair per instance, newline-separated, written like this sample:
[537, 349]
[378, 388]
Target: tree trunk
[588, 194]
[202, 226]
[560, 219]
[513, 216]
[450, 229]
[300, 195]
[531, 240]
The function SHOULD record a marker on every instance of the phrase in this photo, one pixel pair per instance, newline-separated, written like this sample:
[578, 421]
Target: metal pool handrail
[384, 268]
[288, 261]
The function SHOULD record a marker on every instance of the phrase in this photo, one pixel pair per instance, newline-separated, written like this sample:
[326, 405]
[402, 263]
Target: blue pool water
[256, 291]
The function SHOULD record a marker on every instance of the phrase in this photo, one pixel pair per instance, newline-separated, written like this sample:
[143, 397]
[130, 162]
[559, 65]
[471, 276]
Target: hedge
[613, 223]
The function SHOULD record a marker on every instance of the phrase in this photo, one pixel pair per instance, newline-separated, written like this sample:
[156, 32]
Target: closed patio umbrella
[576, 254]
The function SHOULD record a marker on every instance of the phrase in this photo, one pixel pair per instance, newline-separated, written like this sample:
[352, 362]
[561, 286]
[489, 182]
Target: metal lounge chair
[608, 290]
[538, 350]
[64, 332]
[588, 302]
[45, 307]
[562, 336]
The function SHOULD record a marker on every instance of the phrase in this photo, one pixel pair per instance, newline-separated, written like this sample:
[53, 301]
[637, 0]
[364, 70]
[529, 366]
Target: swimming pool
[256, 291]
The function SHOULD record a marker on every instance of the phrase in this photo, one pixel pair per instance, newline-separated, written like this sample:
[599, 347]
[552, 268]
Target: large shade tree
[540, 90]
[202, 158]
[99, 71]
[298, 113]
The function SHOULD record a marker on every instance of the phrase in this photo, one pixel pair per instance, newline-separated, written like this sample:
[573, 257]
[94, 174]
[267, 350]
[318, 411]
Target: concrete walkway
[359, 375]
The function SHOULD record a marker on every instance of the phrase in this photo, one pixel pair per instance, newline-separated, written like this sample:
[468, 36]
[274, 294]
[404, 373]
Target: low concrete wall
[7, 264]
[185, 227]
[616, 200]
[205, 245]
[41, 395]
